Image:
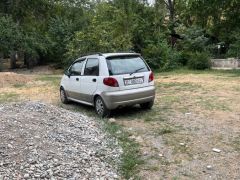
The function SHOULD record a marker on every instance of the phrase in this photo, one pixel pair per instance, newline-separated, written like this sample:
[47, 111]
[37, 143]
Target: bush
[234, 49]
[161, 56]
[194, 39]
[199, 61]
[234, 46]
[10, 35]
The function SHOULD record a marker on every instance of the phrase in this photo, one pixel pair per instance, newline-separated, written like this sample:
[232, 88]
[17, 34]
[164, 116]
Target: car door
[74, 81]
[90, 79]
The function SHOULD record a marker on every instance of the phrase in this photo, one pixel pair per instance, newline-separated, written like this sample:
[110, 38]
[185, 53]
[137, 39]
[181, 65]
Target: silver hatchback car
[108, 81]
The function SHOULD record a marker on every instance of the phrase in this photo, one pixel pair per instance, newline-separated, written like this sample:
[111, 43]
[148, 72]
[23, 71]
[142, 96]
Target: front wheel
[63, 96]
[101, 108]
[147, 105]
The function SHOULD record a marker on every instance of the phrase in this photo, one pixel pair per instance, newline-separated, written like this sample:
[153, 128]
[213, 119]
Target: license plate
[133, 81]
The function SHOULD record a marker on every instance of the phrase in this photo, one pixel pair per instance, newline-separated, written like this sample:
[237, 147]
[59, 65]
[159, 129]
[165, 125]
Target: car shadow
[128, 113]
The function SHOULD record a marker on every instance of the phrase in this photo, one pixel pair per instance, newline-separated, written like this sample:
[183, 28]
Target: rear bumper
[116, 99]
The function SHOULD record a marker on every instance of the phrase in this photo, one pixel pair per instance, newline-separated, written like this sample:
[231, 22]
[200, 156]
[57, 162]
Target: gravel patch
[40, 141]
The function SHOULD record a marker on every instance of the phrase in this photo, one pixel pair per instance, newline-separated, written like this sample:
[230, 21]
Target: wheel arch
[94, 98]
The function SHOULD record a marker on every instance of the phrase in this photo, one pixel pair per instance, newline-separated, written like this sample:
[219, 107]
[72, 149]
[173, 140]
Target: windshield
[126, 65]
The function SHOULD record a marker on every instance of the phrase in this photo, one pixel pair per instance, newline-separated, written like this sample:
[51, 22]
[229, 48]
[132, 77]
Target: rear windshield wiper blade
[137, 70]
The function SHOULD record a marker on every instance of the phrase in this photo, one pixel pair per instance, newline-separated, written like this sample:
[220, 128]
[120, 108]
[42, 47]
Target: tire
[100, 108]
[63, 96]
[147, 105]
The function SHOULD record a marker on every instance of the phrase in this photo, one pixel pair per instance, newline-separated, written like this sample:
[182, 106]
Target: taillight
[109, 81]
[151, 77]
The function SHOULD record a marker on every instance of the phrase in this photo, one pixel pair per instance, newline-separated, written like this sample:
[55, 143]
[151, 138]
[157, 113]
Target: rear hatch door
[131, 71]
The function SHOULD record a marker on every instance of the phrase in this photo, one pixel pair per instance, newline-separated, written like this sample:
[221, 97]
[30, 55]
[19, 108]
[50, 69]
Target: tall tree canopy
[164, 31]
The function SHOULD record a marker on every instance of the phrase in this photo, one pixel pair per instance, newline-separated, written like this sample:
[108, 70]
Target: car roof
[106, 55]
[119, 54]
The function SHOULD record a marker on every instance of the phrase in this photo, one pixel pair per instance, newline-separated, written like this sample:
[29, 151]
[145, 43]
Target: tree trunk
[13, 60]
[1, 61]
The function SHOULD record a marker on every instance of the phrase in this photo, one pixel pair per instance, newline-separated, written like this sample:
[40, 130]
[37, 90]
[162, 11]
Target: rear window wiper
[137, 70]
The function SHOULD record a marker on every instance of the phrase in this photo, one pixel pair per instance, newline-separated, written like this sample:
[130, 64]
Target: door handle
[77, 79]
[94, 80]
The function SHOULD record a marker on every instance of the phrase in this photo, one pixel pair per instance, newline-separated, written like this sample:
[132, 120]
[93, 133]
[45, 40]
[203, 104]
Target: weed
[8, 97]
[236, 143]
[19, 85]
[166, 129]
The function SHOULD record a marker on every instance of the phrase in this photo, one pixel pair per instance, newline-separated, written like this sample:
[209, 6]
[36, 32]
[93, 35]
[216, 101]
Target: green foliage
[161, 56]
[194, 39]
[199, 61]
[59, 31]
[234, 48]
[102, 35]
[10, 35]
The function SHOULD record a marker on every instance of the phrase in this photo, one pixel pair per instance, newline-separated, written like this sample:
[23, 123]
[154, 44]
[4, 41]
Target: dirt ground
[193, 114]
[38, 84]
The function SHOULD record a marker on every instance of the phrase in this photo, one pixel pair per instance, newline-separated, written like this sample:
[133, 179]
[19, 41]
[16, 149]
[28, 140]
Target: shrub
[234, 46]
[184, 57]
[234, 49]
[199, 61]
[161, 56]
[194, 39]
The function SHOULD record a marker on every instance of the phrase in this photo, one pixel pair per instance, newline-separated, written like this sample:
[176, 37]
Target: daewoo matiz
[109, 81]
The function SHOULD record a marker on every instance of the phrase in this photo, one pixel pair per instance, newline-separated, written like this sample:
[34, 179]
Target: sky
[151, 1]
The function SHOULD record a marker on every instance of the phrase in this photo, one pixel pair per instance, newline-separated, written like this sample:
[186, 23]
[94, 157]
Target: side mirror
[68, 73]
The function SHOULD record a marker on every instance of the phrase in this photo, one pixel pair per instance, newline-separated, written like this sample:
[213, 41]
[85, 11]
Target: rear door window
[92, 67]
[126, 65]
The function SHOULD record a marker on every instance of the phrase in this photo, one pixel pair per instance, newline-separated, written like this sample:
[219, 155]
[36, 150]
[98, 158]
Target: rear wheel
[63, 96]
[147, 105]
[101, 108]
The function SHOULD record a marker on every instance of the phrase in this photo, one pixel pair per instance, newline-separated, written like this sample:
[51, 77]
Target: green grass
[212, 103]
[52, 79]
[131, 155]
[8, 97]
[165, 129]
[230, 73]
[177, 86]
[19, 85]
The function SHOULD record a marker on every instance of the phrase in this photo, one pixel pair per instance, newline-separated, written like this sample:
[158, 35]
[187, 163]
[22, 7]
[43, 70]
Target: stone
[216, 150]
[72, 145]
[112, 120]
[26, 176]
[209, 167]
[10, 146]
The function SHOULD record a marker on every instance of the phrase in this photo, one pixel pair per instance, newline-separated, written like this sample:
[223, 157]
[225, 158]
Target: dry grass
[193, 113]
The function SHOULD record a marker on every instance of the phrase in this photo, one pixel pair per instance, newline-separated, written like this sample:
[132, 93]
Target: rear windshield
[126, 65]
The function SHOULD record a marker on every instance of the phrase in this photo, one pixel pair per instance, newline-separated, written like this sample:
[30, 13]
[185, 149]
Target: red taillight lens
[151, 77]
[110, 82]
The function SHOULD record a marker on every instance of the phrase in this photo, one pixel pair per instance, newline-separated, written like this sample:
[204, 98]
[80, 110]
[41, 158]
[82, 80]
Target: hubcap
[99, 106]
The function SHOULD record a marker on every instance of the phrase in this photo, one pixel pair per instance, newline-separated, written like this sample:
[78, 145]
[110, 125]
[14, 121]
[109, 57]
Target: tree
[10, 38]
